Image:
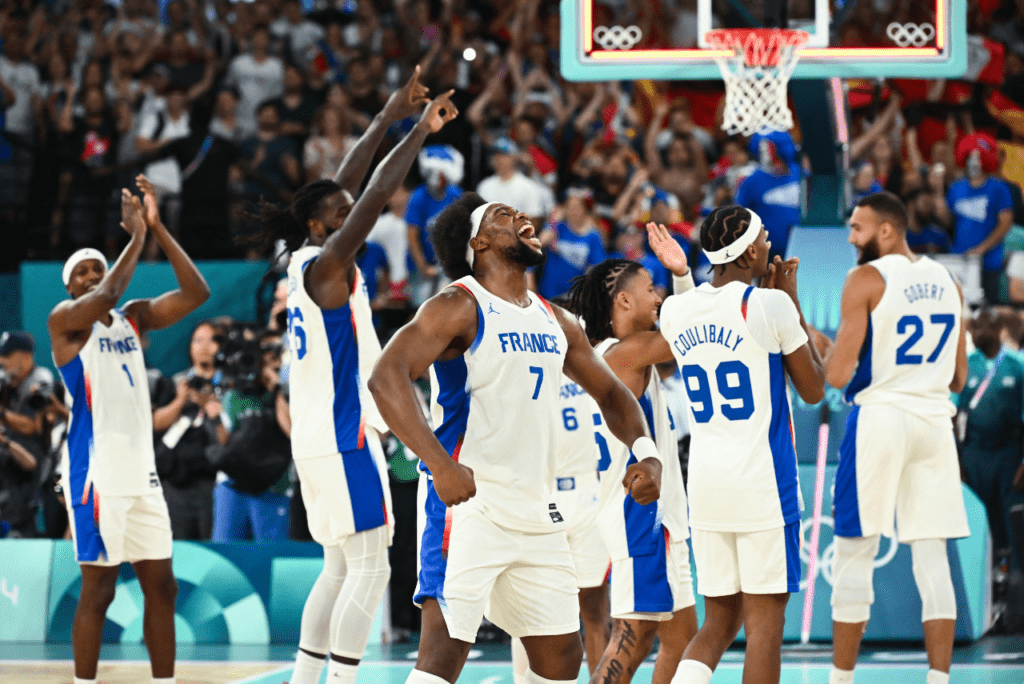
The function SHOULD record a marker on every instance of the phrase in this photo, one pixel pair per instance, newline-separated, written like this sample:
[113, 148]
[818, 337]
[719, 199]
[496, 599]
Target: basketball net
[756, 76]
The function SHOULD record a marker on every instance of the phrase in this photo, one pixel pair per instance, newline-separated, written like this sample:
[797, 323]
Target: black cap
[17, 340]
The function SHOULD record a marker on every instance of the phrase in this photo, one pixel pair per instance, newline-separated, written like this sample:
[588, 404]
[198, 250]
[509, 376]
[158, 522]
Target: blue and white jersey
[109, 448]
[627, 528]
[729, 343]
[576, 452]
[909, 353]
[494, 408]
[332, 355]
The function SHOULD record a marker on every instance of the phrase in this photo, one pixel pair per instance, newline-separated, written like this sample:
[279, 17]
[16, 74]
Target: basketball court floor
[992, 660]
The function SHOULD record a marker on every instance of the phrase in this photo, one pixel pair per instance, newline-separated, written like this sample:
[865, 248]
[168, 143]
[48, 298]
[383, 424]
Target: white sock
[307, 668]
[520, 663]
[692, 672]
[837, 676]
[163, 680]
[532, 677]
[937, 677]
[79, 680]
[340, 673]
[421, 677]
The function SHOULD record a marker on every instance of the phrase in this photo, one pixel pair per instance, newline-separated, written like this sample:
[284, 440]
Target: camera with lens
[199, 383]
[40, 397]
[240, 358]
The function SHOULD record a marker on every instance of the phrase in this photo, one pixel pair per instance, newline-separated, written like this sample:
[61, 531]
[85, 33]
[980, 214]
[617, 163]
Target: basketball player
[735, 345]
[651, 587]
[335, 443]
[901, 332]
[493, 539]
[117, 511]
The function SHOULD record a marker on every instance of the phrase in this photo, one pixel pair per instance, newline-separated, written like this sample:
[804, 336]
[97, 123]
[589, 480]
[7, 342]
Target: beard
[869, 252]
[523, 255]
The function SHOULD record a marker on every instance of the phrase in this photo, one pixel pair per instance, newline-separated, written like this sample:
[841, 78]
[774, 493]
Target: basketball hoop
[756, 76]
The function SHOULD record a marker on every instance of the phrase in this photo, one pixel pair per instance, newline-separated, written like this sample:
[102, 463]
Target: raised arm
[863, 285]
[619, 407]
[804, 365]
[192, 292]
[960, 373]
[73, 316]
[404, 102]
[340, 250]
[443, 328]
[631, 358]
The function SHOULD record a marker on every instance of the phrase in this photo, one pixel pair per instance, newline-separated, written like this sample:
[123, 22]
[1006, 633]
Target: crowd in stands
[225, 104]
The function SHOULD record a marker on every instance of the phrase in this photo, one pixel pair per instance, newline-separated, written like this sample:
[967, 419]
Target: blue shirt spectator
[773, 191]
[976, 212]
[420, 213]
[569, 255]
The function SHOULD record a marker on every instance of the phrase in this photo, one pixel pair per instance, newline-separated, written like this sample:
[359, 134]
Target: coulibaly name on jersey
[919, 291]
[125, 346]
[706, 334]
[528, 342]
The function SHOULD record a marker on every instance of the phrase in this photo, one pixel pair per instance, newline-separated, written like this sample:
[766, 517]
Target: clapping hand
[669, 252]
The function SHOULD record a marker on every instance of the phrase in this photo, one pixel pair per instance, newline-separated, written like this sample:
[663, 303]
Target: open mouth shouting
[528, 234]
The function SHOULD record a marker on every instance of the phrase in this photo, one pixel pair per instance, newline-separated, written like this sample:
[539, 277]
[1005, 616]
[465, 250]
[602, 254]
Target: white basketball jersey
[109, 448]
[332, 355]
[909, 354]
[494, 408]
[575, 451]
[627, 528]
[729, 343]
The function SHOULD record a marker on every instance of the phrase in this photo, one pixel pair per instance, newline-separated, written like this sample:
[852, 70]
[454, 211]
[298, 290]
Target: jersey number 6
[733, 380]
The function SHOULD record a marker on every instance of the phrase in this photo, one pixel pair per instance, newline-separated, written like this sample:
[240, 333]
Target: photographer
[26, 391]
[255, 451]
[184, 428]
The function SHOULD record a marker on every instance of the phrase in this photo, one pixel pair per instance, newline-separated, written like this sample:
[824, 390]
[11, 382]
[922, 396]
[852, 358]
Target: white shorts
[655, 586]
[896, 465]
[524, 583]
[765, 562]
[579, 501]
[110, 530]
[335, 508]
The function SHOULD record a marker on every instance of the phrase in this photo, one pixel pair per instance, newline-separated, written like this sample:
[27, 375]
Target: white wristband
[681, 284]
[644, 447]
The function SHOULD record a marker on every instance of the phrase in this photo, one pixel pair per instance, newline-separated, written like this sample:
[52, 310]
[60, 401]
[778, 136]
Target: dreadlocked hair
[291, 223]
[592, 295]
[722, 227]
[450, 235]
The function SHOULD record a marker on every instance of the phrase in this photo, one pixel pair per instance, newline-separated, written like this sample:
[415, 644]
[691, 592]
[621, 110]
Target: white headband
[733, 251]
[475, 219]
[77, 258]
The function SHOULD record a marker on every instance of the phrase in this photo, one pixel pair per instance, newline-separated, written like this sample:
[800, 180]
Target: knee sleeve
[934, 581]
[316, 615]
[534, 678]
[366, 578]
[852, 570]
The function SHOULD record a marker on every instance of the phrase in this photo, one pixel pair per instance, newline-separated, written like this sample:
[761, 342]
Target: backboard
[664, 39]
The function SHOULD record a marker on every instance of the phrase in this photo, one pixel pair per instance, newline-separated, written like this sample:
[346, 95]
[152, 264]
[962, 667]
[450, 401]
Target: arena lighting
[469, 54]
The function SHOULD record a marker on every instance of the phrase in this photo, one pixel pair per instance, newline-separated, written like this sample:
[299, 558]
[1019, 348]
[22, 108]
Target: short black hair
[723, 226]
[592, 295]
[450, 235]
[890, 207]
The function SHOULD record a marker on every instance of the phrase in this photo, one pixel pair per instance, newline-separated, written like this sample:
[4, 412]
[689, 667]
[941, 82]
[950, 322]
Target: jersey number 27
[915, 326]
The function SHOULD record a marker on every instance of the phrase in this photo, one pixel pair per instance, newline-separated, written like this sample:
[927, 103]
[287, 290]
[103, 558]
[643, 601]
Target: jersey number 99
[733, 385]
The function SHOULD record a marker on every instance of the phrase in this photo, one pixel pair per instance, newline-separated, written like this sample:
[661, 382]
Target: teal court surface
[991, 660]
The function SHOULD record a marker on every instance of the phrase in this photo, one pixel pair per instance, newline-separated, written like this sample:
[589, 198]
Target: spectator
[390, 233]
[17, 466]
[185, 427]
[270, 161]
[573, 243]
[258, 77]
[22, 118]
[25, 393]
[299, 35]
[442, 167]
[246, 504]
[924, 235]
[979, 208]
[185, 72]
[86, 195]
[865, 182]
[325, 150]
[773, 191]
[990, 425]
[155, 131]
[297, 107]
[225, 116]
[509, 186]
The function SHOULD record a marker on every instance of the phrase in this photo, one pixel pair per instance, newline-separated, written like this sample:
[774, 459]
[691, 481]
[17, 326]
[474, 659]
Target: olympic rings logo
[617, 37]
[827, 554]
[909, 34]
